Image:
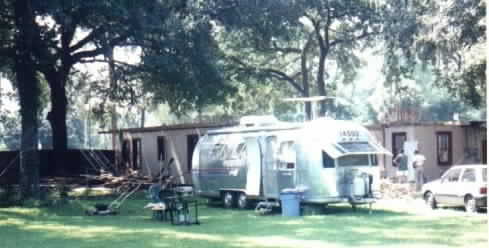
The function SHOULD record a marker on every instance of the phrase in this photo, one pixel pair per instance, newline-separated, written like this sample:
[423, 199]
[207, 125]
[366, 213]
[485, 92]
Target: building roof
[233, 123]
[431, 123]
[172, 127]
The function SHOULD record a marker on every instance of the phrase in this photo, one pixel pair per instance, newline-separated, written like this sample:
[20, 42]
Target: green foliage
[298, 43]
[448, 35]
[187, 75]
[179, 58]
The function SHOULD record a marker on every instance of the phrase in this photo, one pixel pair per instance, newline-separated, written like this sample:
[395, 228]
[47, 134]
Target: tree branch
[271, 72]
[285, 49]
[319, 37]
[282, 76]
[90, 37]
[362, 36]
[77, 57]
[118, 62]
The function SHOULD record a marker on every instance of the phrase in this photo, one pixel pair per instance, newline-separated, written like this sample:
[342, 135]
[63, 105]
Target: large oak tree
[302, 43]
[51, 37]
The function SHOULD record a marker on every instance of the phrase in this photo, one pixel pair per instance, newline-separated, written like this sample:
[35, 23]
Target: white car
[461, 185]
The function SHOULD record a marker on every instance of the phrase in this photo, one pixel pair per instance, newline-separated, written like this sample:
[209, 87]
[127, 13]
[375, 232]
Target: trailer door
[253, 163]
[270, 185]
[286, 165]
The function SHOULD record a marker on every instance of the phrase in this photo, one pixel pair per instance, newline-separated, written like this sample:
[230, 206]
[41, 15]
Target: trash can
[290, 203]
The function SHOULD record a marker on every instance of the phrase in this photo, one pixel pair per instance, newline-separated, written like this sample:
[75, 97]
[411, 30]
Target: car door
[447, 190]
[468, 184]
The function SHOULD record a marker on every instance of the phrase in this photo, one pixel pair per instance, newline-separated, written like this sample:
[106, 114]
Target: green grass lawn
[68, 227]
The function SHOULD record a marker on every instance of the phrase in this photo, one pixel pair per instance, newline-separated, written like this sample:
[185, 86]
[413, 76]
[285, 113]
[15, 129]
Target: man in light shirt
[418, 165]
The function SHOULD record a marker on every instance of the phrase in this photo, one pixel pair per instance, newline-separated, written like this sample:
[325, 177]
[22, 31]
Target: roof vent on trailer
[258, 120]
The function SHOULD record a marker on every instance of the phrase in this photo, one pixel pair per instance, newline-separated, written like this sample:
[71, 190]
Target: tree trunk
[57, 120]
[320, 83]
[29, 91]
[113, 110]
[305, 78]
[143, 117]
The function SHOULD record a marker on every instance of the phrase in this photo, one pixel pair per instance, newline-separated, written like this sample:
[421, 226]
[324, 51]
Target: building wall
[378, 133]
[176, 147]
[475, 138]
[426, 138]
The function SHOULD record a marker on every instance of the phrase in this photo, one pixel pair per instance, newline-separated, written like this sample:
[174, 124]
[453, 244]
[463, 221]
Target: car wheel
[470, 206]
[430, 200]
[228, 199]
[242, 201]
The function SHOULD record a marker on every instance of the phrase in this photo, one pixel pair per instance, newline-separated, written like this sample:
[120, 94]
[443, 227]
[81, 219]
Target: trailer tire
[243, 202]
[228, 199]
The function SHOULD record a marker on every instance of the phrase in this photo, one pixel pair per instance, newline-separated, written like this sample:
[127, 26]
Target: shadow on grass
[134, 227]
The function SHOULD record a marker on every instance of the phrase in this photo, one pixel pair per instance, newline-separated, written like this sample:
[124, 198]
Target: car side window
[468, 176]
[454, 175]
[451, 176]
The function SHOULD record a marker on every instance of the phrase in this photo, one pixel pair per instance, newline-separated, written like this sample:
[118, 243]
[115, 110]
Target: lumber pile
[112, 181]
[391, 190]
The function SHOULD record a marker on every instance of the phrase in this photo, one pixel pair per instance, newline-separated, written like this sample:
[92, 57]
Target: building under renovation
[151, 149]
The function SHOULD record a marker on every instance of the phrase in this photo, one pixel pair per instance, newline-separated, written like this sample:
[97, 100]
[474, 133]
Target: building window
[444, 148]
[160, 140]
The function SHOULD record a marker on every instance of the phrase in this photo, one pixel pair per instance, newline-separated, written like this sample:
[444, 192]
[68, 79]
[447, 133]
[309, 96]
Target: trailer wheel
[242, 201]
[228, 199]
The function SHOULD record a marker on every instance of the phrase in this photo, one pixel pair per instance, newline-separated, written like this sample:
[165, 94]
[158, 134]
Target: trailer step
[265, 207]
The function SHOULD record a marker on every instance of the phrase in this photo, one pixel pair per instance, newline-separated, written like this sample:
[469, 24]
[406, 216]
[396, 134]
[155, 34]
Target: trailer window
[328, 161]
[357, 147]
[239, 152]
[287, 155]
[219, 152]
[270, 154]
[374, 160]
[353, 160]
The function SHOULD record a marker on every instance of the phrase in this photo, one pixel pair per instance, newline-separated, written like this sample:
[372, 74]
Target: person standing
[418, 165]
[401, 161]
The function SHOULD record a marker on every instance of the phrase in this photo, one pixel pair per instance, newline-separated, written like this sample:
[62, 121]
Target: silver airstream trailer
[330, 161]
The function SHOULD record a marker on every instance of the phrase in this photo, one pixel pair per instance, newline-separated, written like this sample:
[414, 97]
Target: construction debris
[395, 190]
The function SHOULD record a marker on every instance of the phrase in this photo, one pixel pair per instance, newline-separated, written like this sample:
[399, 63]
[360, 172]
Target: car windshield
[484, 174]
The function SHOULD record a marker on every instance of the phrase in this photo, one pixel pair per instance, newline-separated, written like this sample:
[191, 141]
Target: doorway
[398, 140]
[192, 140]
[136, 154]
[484, 151]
